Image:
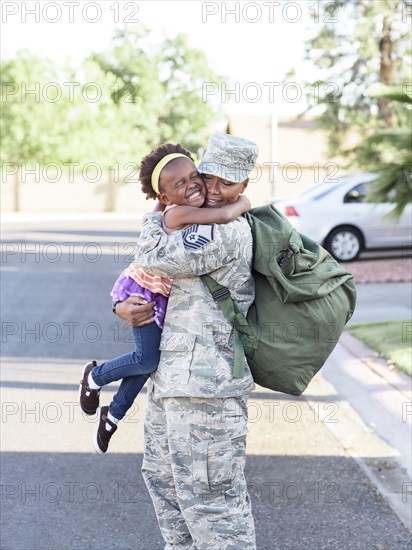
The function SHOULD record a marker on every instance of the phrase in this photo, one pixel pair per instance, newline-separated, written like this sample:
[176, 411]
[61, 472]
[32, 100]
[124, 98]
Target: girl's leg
[126, 394]
[134, 375]
[143, 360]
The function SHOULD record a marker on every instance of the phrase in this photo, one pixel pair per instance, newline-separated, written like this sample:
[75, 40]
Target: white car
[338, 217]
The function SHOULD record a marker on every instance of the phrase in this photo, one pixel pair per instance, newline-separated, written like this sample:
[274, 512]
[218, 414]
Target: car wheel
[344, 243]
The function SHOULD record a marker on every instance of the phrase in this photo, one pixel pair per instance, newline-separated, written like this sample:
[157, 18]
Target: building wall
[292, 156]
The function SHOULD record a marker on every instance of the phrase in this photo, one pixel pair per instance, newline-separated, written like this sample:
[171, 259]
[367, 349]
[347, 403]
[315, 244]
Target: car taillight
[290, 211]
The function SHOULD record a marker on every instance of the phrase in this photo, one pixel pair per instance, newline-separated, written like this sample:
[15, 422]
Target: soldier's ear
[244, 184]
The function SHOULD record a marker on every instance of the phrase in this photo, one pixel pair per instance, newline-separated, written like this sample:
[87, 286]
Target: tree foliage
[358, 43]
[362, 49]
[27, 128]
[166, 80]
[389, 153]
[114, 107]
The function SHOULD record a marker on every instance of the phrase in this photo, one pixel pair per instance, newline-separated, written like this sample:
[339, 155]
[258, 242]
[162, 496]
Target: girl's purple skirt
[125, 287]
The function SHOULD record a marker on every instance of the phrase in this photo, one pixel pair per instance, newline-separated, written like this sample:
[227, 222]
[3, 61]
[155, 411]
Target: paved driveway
[307, 489]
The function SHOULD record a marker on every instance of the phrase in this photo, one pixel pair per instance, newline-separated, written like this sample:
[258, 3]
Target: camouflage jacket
[197, 342]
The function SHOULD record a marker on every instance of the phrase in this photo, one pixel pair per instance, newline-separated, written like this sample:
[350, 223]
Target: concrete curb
[376, 457]
[394, 377]
[370, 428]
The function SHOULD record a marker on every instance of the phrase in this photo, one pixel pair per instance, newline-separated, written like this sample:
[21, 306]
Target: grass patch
[391, 339]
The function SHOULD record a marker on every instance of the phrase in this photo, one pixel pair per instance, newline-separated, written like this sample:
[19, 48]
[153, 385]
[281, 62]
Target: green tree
[389, 152]
[62, 115]
[113, 108]
[165, 80]
[100, 130]
[27, 130]
[359, 43]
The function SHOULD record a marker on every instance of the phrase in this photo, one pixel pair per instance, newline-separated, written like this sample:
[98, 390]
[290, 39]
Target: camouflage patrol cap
[229, 157]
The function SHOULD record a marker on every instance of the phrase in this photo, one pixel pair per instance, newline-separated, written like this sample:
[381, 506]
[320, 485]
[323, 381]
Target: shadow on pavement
[84, 501]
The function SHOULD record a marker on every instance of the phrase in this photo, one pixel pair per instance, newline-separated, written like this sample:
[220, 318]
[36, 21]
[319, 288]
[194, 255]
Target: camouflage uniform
[196, 420]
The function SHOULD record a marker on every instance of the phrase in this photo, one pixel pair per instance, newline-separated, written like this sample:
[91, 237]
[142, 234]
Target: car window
[320, 190]
[358, 193]
[324, 193]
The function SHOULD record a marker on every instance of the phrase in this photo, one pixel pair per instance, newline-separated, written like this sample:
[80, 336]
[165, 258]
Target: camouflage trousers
[193, 467]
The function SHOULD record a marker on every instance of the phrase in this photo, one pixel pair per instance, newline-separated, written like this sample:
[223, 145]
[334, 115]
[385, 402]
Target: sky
[254, 44]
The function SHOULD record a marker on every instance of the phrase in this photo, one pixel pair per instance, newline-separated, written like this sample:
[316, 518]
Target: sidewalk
[306, 470]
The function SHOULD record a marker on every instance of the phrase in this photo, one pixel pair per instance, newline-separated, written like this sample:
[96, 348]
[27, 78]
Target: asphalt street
[383, 302]
[308, 457]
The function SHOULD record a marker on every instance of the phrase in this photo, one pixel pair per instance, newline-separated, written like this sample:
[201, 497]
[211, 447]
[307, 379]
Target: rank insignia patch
[196, 236]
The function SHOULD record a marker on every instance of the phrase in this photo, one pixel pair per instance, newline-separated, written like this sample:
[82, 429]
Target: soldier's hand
[136, 311]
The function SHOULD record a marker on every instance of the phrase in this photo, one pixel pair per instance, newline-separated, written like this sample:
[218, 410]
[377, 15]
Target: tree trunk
[387, 72]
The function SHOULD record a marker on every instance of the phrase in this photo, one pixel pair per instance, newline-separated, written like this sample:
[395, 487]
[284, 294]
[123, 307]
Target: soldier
[182, 191]
[196, 419]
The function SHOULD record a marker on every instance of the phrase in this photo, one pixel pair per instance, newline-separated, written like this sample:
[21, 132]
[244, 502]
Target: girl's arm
[183, 215]
[174, 255]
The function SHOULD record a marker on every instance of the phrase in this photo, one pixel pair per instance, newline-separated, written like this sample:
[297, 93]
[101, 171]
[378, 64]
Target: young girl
[169, 174]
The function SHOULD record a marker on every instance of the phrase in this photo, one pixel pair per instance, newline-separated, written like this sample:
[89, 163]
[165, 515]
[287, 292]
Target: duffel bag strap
[222, 297]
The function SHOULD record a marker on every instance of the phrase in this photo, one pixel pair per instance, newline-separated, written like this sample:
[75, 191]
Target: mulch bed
[381, 271]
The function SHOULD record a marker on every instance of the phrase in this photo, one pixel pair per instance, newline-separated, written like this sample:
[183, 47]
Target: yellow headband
[159, 167]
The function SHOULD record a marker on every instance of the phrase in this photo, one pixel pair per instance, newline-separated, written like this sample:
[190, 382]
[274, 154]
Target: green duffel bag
[303, 300]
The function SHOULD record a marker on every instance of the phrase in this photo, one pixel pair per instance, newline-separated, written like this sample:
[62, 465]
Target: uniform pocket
[212, 468]
[176, 353]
